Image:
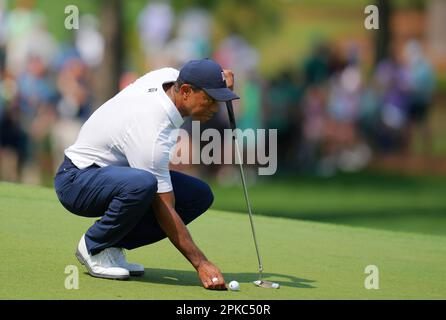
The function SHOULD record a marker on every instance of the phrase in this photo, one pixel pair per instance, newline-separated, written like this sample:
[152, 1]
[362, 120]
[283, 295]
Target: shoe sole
[97, 275]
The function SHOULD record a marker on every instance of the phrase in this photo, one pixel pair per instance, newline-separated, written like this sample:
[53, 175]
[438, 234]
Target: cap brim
[221, 94]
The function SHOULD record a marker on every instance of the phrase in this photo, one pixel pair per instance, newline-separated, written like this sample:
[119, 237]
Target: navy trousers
[122, 197]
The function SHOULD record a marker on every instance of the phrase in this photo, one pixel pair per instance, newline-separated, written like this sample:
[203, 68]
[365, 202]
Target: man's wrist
[197, 264]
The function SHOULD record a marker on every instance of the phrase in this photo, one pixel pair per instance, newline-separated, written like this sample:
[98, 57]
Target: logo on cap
[223, 76]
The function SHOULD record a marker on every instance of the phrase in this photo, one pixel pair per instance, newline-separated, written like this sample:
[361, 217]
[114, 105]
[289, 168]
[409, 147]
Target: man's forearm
[176, 230]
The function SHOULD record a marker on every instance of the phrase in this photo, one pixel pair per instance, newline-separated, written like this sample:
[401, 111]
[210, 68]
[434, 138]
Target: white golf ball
[275, 286]
[234, 286]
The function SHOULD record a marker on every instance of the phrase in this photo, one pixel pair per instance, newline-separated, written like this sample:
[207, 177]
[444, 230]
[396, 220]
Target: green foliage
[54, 12]
[251, 18]
[410, 4]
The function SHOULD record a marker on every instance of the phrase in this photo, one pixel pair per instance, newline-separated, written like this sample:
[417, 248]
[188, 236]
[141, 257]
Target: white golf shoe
[101, 265]
[119, 258]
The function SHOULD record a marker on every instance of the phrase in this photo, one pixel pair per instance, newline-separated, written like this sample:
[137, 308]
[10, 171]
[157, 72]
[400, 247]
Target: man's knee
[191, 194]
[207, 197]
[141, 182]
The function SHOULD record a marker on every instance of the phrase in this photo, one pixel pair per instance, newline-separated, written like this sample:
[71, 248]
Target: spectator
[12, 137]
[37, 98]
[316, 68]
[421, 82]
[19, 26]
[73, 107]
[392, 84]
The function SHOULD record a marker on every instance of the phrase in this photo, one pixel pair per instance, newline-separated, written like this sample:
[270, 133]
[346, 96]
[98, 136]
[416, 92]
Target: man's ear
[185, 90]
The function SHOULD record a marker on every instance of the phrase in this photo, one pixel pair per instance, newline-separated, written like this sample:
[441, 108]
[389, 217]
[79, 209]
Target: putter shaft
[248, 204]
[245, 189]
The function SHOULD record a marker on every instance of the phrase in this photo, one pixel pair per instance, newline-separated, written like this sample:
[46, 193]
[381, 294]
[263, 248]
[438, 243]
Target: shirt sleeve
[150, 151]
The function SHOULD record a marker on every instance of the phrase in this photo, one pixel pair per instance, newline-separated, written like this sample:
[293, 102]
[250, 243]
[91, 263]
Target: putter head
[266, 284]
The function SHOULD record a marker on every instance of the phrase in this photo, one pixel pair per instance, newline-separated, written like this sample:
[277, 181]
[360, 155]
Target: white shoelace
[118, 256]
[106, 258]
[103, 259]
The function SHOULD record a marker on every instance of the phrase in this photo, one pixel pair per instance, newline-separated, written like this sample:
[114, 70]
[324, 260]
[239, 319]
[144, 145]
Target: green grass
[399, 203]
[310, 260]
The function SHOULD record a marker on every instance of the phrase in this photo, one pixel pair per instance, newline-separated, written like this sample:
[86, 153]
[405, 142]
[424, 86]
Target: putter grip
[231, 114]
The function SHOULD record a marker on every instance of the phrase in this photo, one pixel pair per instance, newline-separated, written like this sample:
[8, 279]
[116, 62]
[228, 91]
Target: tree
[383, 34]
[112, 28]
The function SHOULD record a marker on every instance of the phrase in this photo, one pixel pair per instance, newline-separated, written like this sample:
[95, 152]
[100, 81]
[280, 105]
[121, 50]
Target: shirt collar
[170, 108]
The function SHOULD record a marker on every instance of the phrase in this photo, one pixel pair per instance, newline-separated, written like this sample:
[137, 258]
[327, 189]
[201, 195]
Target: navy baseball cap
[207, 75]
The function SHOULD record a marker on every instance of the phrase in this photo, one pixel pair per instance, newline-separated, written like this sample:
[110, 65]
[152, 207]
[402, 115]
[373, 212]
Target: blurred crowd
[44, 95]
[330, 114]
[333, 114]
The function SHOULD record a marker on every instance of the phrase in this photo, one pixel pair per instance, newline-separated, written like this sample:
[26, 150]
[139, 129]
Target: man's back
[126, 129]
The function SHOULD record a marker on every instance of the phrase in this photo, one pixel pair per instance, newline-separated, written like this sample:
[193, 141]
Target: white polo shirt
[135, 128]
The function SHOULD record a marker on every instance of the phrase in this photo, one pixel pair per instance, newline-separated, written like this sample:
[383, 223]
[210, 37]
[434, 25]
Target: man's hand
[229, 75]
[211, 276]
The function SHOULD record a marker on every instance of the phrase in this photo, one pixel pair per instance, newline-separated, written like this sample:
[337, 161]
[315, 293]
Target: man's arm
[176, 231]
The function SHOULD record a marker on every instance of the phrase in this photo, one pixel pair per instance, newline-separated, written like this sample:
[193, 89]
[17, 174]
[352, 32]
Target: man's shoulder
[162, 75]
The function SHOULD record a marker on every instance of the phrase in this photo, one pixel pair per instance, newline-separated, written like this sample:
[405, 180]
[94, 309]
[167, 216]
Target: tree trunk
[383, 34]
[436, 35]
[112, 65]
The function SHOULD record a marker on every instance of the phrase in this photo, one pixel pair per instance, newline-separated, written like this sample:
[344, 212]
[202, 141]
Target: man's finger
[222, 287]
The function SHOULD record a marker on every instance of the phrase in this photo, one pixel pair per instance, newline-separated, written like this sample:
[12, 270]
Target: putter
[260, 282]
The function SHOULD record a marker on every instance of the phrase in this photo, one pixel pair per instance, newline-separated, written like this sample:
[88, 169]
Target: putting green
[309, 260]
